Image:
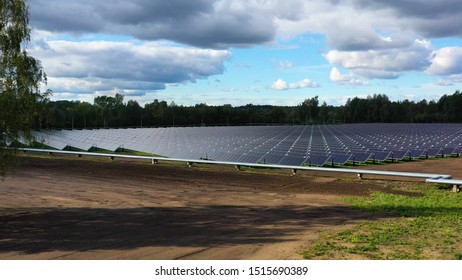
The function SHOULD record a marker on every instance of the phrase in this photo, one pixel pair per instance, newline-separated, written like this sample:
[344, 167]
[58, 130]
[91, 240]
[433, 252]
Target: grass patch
[38, 145]
[135, 153]
[122, 151]
[428, 226]
[73, 149]
[99, 150]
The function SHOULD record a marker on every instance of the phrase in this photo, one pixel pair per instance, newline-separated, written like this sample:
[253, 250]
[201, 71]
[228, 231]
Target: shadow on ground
[39, 230]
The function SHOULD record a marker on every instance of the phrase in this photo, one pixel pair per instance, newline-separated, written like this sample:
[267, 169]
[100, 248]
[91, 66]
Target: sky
[265, 52]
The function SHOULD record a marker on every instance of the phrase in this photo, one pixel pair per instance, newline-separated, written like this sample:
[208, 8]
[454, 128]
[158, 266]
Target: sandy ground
[62, 208]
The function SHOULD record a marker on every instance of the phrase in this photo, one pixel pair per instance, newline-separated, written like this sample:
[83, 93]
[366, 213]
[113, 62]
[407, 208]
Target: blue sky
[257, 51]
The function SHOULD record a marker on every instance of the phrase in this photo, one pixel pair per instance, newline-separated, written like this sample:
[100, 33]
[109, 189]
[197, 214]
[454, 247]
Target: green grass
[135, 153]
[118, 151]
[99, 150]
[39, 145]
[427, 226]
[73, 149]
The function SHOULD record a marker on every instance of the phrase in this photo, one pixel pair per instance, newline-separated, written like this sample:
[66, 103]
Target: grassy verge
[135, 153]
[425, 226]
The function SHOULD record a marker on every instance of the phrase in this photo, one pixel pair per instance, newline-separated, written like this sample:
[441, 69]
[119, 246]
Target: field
[68, 208]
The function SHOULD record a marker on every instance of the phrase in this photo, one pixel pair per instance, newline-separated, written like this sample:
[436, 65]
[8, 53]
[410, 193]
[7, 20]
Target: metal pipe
[444, 181]
[430, 178]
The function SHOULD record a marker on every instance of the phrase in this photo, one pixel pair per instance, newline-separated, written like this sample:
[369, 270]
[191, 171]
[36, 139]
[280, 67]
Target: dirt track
[78, 209]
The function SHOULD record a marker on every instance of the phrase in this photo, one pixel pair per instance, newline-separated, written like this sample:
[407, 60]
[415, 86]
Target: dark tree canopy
[21, 77]
[108, 111]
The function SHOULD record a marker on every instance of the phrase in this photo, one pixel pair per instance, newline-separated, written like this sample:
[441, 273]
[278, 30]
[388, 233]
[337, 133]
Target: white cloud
[427, 18]
[280, 85]
[349, 79]
[446, 61]
[218, 24]
[89, 67]
[377, 41]
[243, 23]
[231, 89]
[383, 64]
[444, 83]
[456, 78]
[366, 29]
[283, 85]
[282, 64]
[372, 24]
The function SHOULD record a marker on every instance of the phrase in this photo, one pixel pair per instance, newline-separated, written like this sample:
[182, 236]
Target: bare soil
[67, 208]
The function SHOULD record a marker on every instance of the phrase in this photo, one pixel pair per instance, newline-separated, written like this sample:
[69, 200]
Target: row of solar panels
[286, 145]
[338, 158]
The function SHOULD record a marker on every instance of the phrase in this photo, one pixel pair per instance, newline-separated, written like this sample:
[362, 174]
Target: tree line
[108, 111]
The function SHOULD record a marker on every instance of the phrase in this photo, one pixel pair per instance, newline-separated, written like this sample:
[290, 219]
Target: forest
[112, 112]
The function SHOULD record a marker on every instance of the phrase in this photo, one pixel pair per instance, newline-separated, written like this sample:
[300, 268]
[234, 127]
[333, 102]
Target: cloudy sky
[248, 51]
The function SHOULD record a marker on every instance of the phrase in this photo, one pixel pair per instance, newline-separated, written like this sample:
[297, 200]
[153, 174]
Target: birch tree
[21, 79]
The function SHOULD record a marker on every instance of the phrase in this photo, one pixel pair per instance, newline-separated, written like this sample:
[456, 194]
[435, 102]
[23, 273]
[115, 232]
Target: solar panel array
[286, 145]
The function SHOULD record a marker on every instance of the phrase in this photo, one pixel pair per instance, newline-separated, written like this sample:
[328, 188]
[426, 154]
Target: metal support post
[456, 188]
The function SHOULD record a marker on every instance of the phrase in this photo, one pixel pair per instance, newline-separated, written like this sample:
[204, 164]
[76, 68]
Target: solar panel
[271, 158]
[398, 155]
[231, 157]
[448, 151]
[432, 152]
[292, 160]
[52, 139]
[416, 153]
[249, 158]
[340, 158]
[317, 160]
[361, 157]
[290, 145]
[380, 156]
